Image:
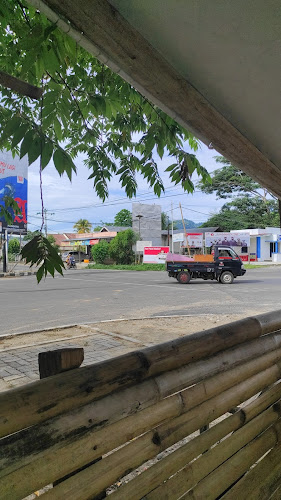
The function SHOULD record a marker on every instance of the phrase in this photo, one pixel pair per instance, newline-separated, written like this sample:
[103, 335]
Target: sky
[67, 202]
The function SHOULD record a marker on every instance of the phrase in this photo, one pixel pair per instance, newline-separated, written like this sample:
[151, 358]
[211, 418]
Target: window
[224, 253]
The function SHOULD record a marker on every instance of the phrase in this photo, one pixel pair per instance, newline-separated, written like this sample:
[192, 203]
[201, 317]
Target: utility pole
[46, 213]
[172, 215]
[168, 232]
[139, 217]
[5, 252]
[187, 245]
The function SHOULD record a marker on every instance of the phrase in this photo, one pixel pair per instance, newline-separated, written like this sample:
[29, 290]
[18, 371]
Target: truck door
[229, 260]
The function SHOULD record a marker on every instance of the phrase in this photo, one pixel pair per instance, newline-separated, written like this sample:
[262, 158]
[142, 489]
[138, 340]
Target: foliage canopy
[120, 248]
[249, 207]
[100, 251]
[85, 108]
[82, 226]
[228, 180]
[245, 213]
[14, 246]
[123, 218]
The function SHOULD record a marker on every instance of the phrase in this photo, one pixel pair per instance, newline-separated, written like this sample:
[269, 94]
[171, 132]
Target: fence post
[58, 361]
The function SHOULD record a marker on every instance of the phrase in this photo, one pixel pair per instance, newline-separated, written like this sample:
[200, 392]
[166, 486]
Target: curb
[87, 324]
[17, 274]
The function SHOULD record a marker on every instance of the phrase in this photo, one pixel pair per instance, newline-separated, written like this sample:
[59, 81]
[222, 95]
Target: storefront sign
[195, 240]
[155, 255]
[244, 258]
[178, 237]
[13, 183]
[228, 239]
[94, 242]
[140, 245]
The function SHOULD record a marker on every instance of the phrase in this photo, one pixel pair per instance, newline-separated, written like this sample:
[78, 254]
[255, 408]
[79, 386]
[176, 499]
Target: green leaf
[11, 127]
[57, 127]
[51, 61]
[40, 273]
[46, 153]
[35, 148]
[63, 163]
[49, 120]
[26, 143]
[19, 134]
[40, 252]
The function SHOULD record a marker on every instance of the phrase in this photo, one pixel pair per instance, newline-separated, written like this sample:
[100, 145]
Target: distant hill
[190, 224]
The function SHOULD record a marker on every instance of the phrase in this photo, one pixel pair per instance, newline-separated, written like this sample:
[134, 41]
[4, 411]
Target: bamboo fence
[130, 409]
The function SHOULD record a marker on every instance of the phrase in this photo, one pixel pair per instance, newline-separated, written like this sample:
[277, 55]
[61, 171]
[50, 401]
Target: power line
[121, 201]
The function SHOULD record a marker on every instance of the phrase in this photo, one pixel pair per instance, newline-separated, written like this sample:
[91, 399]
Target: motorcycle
[71, 265]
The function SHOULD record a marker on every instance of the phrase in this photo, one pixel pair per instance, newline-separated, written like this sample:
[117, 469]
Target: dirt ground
[145, 331]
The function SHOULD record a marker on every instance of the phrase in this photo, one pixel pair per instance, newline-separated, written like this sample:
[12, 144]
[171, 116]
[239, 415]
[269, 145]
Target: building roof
[192, 230]
[209, 230]
[116, 229]
[59, 238]
[92, 236]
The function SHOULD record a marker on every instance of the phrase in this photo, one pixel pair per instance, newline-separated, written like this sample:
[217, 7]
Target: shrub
[14, 246]
[100, 252]
[120, 248]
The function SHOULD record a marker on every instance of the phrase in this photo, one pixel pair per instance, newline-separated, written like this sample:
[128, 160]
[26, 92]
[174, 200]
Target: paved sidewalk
[20, 366]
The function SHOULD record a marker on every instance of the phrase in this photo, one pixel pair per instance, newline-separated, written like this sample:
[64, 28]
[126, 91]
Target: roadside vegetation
[129, 267]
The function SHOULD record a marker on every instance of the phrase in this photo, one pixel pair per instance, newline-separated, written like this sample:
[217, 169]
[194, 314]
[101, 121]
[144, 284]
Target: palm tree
[82, 226]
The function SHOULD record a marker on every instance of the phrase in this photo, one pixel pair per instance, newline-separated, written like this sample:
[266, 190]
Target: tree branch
[20, 86]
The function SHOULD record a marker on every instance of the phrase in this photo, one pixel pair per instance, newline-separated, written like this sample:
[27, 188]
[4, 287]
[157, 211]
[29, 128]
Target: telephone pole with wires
[46, 213]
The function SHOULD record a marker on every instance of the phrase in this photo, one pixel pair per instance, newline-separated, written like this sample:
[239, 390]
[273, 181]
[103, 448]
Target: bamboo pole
[28, 474]
[151, 478]
[192, 373]
[276, 495]
[223, 381]
[201, 415]
[56, 462]
[232, 469]
[93, 480]
[39, 401]
[256, 483]
[193, 473]
[108, 410]
[97, 477]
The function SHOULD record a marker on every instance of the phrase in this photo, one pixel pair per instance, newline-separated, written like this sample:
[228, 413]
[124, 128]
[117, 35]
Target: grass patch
[257, 266]
[131, 267]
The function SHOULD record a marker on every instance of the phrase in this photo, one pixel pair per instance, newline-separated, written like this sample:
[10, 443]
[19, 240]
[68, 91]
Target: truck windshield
[233, 253]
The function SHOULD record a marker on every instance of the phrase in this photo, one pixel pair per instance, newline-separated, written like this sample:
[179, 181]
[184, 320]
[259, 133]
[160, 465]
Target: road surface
[83, 296]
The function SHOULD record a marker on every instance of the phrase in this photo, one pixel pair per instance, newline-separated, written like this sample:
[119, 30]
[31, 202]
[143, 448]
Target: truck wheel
[183, 278]
[226, 278]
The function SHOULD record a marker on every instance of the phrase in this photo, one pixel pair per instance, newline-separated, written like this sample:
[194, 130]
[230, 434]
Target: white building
[265, 244]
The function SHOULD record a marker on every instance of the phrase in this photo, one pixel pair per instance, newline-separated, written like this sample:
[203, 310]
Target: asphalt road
[83, 296]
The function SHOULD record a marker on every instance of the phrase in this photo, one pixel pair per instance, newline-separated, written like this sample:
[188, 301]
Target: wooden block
[60, 360]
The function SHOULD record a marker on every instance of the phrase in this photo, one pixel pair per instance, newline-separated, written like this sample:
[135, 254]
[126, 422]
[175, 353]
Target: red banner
[155, 255]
